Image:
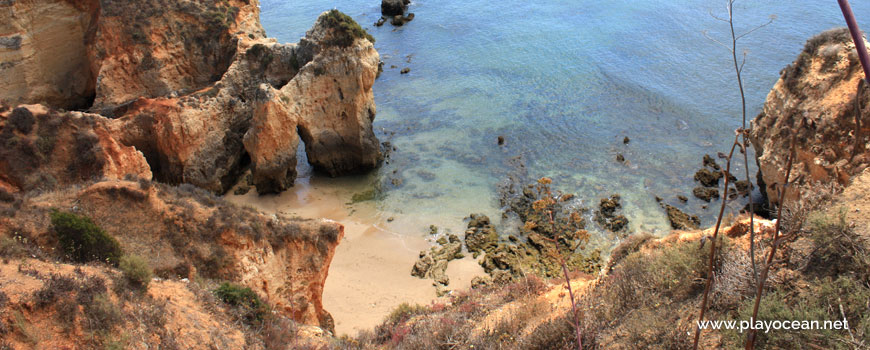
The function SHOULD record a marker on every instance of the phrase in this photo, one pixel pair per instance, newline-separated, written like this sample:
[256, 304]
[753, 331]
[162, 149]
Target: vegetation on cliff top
[345, 29]
[83, 240]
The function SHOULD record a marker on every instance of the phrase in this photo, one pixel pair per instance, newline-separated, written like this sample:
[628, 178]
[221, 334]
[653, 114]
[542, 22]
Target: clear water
[563, 82]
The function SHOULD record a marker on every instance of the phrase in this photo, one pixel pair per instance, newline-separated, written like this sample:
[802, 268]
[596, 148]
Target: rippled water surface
[563, 82]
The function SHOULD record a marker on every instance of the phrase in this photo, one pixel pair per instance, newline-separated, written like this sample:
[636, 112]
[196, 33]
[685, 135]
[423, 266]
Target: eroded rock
[814, 102]
[680, 220]
[45, 148]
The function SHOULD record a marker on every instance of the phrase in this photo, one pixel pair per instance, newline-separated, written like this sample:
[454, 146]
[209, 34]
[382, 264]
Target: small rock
[708, 178]
[680, 220]
[441, 290]
[626, 140]
[390, 219]
[620, 158]
[422, 266]
[711, 162]
[405, 70]
[433, 230]
[683, 198]
[501, 140]
[743, 187]
[397, 20]
[380, 22]
[242, 190]
[480, 282]
[706, 193]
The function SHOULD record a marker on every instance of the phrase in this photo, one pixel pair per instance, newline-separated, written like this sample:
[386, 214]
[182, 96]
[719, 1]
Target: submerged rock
[708, 178]
[706, 193]
[711, 163]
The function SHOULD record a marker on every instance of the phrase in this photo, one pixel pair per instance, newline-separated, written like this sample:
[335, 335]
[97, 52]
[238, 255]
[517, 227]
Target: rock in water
[405, 70]
[708, 178]
[706, 193]
[390, 8]
[680, 220]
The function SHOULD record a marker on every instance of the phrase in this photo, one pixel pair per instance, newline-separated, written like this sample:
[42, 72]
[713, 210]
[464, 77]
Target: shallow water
[563, 82]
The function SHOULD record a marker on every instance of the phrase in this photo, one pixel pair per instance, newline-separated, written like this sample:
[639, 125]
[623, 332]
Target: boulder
[390, 8]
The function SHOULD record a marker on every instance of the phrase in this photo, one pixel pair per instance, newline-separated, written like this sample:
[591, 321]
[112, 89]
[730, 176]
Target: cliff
[814, 101]
[185, 232]
[184, 83]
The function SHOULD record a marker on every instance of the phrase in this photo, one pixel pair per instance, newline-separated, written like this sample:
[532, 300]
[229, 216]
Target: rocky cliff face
[186, 232]
[814, 101]
[44, 52]
[44, 148]
[186, 81]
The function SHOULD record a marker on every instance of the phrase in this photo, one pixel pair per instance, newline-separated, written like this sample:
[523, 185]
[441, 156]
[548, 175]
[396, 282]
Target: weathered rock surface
[186, 81]
[185, 232]
[606, 215]
[44, 52]
[481, 236]
[680, 220]
[820, 89]
[45, 148]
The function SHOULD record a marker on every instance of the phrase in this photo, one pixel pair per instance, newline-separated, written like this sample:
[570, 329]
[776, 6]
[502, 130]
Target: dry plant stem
[738, 68]
[567, 283]
[750, 338]
[859, 139]
[712, 259]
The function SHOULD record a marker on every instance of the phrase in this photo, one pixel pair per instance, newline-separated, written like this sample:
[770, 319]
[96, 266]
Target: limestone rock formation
[44, 148]
[183, 231]
[43, 52]
[319, 89]
[814, 101]
[146, 49]
[187, 81]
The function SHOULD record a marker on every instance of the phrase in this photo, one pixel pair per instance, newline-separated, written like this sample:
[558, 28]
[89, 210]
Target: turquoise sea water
[563, 82]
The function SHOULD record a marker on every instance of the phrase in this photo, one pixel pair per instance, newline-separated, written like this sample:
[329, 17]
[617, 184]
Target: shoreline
[370, 273]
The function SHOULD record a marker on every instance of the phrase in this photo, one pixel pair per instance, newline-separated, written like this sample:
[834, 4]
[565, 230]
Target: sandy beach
[370, 273]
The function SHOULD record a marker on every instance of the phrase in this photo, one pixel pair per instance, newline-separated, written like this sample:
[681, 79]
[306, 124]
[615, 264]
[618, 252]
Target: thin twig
[712, 259]
[750, 338]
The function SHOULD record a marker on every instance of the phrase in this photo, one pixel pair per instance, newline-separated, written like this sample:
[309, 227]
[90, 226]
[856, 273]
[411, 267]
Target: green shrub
[246, 300]
[346, 30]
[136, 272]
[821, 300]
[103, 314]
[405, 311]
[82, 240]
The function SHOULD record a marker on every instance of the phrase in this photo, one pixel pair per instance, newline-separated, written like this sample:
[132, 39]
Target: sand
[370, 273]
